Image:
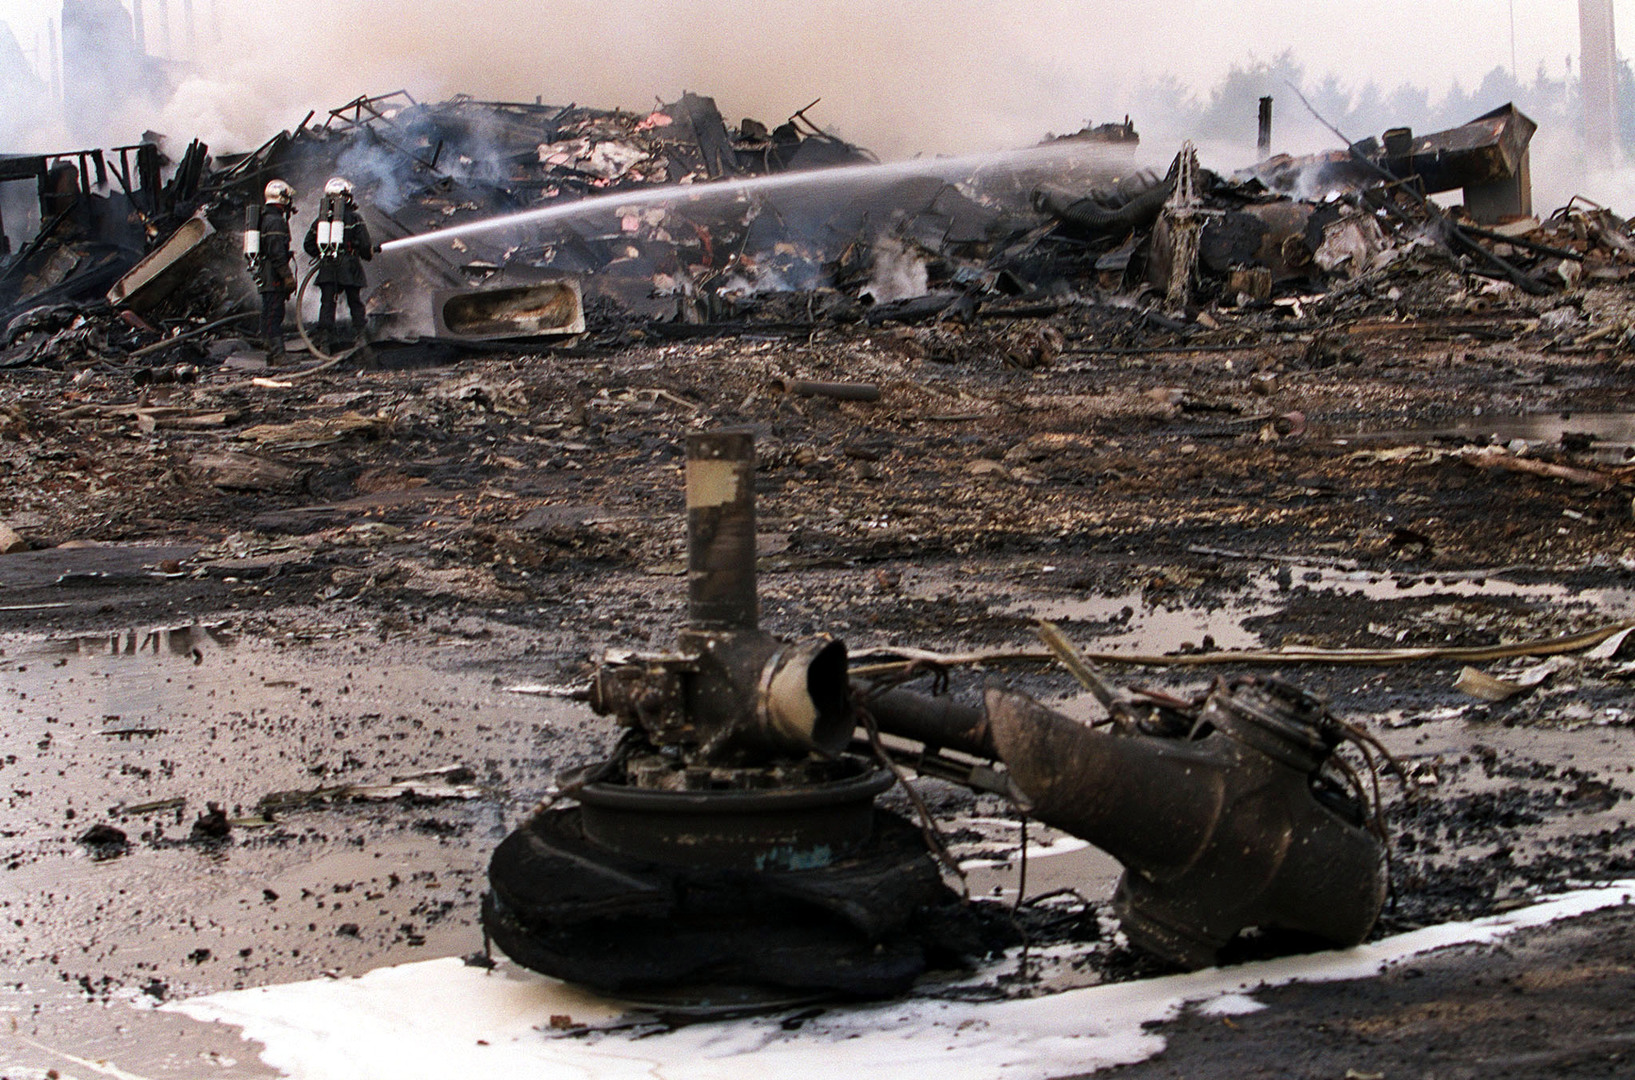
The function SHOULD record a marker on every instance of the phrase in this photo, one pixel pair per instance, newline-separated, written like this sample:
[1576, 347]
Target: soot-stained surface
[1547, 1003]
[359, 615]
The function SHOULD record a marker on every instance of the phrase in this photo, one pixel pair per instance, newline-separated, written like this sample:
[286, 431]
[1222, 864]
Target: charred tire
[562, 906]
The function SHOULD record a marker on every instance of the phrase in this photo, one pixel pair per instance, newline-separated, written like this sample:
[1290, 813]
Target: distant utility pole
[1598, 81]
[1514, 74]
[53, 62]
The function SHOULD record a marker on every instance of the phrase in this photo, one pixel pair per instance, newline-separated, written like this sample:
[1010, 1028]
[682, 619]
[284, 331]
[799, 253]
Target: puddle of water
[1128, 623]
[1611, 434]
[140, 729]
[192, 641]
[1144, 627]
[136, 716]
[1373, 585]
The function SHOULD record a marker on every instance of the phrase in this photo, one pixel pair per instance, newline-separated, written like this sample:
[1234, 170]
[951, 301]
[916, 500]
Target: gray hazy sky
[908, 75]
[1428, 40]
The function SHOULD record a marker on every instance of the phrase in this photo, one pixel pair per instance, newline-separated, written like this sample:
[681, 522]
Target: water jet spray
[838, 178]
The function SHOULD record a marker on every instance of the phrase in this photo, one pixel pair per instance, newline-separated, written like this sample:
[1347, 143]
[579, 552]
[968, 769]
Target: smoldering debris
[96, 213]
[643, 228]
[134, 263]
[1031, 423]
[134, 251]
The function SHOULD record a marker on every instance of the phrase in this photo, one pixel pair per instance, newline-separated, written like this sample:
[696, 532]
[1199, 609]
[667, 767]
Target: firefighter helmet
[280, 192]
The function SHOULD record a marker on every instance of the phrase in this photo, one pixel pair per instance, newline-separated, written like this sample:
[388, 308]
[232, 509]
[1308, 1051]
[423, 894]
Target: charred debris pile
[730, 851]
[134, 260]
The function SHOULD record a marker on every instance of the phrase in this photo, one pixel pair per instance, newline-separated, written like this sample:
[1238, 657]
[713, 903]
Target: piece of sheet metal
[165, 267]
[538, 309]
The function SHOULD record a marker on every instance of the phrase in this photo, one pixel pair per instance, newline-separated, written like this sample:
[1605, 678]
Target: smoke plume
[908, 78]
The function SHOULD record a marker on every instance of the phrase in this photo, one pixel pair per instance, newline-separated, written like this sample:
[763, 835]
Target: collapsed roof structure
[674, 219]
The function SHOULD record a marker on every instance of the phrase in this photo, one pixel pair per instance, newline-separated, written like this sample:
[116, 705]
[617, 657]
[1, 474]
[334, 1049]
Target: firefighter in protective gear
[339, 241]
[270, 258]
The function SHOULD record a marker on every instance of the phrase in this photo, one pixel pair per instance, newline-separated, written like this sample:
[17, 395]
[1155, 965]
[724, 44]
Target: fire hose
[327, 360]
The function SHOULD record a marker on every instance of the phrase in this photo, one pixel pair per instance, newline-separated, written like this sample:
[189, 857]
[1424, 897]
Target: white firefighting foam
[441, 1018]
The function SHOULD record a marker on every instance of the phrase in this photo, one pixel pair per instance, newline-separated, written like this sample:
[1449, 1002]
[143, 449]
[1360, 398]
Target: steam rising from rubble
[899, 274]
[912, 77]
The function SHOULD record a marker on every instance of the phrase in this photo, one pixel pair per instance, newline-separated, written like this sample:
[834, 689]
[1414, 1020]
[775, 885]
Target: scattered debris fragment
[976, 400]
[450, 782]
[728, 854]
[212, 824]
[104, 839]
[1309, 860]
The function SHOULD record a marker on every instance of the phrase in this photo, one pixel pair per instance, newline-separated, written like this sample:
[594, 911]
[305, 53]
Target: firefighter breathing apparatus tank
[332, 217]
[252, 237]
[276, 192]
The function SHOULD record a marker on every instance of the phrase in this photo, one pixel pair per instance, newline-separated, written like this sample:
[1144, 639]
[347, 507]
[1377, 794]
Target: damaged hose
[1555, 646]
[928, 823]
[328, 361]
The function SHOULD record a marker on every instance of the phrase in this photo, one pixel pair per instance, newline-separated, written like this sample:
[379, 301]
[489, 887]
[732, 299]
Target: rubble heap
[149, 272]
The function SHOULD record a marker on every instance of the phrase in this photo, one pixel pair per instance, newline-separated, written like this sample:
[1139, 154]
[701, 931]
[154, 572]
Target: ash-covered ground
[418, 538]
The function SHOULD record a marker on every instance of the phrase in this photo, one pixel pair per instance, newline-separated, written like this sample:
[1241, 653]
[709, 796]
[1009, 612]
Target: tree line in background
[1229, 109]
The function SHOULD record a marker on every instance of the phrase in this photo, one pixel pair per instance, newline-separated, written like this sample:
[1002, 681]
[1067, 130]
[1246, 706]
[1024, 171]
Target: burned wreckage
[731, 850]
[734, 846]
[672, 223]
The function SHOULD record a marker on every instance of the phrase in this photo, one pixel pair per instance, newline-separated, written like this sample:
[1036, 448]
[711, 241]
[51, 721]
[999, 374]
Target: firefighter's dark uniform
[341, 273]
[274, 275]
